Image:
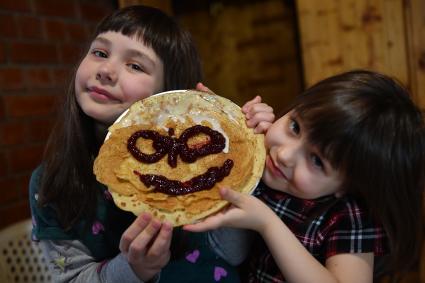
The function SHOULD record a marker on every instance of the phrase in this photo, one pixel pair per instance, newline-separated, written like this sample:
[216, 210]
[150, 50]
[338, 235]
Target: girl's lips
[101, 95]
[274, 169]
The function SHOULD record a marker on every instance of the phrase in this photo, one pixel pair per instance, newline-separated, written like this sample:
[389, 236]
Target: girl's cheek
[134, 92]
[270, 139]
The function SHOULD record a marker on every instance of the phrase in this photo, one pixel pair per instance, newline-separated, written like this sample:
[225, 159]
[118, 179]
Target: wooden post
[415, 28]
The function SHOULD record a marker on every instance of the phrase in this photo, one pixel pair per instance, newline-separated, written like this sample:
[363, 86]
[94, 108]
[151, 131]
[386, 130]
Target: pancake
[158, 172]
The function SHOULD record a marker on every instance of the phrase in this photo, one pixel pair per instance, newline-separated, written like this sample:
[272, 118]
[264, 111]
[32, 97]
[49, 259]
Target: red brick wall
[40, 43]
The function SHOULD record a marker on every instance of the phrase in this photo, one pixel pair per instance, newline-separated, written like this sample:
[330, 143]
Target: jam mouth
[201, 182]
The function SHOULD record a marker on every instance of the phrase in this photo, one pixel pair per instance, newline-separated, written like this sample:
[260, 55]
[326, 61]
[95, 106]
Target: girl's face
[116, 72]
[294, 166]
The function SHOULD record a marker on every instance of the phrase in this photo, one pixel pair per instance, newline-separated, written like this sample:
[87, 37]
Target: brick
[62, 76]
[94, 11]
[25, 158]
[76, 32]
[38, 78]
[11, 78]
[34, 52]
[71, 53]
[14, 212]
[29, 105]
[9, 190]
[30, 27]
[15, 5]
[56, 8]
[40, 129]
[55, 29]
[8, 26]
[13, 133]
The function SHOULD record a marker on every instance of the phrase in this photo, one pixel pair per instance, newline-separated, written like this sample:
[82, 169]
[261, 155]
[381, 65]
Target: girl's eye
[99, 53]
[317, 162]
[294, 126]
[135, 67]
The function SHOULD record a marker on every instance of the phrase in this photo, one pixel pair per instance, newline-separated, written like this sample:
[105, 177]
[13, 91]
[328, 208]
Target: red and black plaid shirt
[324, 230]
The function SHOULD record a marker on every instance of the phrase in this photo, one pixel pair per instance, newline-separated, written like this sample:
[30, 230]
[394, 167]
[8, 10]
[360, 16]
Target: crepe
[168, 116]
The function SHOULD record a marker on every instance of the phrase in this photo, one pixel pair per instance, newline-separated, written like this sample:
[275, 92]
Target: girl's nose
[287, 155]
[106, 73]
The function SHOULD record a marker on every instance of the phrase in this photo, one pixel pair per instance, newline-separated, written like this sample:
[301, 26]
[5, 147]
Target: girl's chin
[106, 117]
[102, 120]
[273, 183]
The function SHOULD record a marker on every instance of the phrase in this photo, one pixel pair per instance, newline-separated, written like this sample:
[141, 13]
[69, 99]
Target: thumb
[231, 196]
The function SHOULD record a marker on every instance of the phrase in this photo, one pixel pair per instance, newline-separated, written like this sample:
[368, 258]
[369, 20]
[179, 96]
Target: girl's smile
[101, 95]
[270, 165]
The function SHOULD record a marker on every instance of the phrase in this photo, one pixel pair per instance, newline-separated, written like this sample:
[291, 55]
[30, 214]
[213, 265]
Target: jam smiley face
[178, 146]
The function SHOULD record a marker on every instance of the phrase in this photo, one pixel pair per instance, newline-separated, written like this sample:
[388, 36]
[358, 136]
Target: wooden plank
[341, 35]
[415, 27]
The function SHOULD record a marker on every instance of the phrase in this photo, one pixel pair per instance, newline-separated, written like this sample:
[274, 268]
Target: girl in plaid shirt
[342, 185]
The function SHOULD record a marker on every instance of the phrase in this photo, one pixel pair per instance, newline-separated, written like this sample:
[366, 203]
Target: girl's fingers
[228, 217]
[134, 230]
[260, 117]
[231, 196]
[246, 107]
[162, 242]
[201, 87]
[209, 223]
[139, 245]
[260, 107]
[262, 127]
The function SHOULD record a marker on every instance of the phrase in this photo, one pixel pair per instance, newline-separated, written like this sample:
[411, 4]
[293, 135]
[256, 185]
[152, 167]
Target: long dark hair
[67, 180]
[369, 129]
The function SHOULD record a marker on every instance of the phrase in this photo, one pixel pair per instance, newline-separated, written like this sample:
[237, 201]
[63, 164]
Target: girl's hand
[246, 212]
[146, 244]
[200, 86]
[258, 115]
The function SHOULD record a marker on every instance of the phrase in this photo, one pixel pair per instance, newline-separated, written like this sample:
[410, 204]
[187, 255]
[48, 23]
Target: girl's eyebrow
[136, 53]
[102, 40]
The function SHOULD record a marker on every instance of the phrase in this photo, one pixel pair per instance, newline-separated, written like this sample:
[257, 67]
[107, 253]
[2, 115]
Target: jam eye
[176, 146]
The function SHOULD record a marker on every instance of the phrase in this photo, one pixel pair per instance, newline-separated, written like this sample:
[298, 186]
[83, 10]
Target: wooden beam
[341, 35]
